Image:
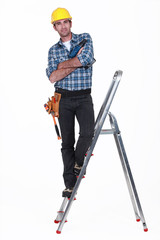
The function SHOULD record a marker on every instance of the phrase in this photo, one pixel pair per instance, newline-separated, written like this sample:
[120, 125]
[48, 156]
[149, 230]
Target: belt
[66, 93]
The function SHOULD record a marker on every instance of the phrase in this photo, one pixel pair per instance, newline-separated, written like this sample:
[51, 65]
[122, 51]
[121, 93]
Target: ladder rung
[108, 131]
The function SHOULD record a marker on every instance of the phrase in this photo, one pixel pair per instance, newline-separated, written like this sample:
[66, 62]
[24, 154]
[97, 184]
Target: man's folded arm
[60, 74]
[65, 68]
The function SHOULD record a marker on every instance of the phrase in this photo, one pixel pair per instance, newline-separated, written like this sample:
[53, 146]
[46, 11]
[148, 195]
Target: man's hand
[80, 50]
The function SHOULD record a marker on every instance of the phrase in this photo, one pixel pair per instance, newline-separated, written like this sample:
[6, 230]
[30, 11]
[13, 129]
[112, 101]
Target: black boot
[67, 192]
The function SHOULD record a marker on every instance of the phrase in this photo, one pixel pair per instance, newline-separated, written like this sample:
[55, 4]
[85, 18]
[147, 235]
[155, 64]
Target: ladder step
[107, 131]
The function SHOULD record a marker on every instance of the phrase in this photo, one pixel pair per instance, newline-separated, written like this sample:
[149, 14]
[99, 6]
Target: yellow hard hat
[59, 14]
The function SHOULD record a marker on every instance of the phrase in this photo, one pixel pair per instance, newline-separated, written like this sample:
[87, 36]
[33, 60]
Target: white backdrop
[126, 36]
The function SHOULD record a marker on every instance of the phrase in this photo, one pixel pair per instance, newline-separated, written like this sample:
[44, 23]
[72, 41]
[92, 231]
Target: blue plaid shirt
[80, 78]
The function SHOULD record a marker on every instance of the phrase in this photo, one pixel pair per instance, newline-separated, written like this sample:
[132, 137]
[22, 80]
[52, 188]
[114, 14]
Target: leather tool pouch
[53, 104]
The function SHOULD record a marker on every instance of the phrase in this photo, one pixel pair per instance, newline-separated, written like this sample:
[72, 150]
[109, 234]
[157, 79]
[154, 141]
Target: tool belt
[53, 104]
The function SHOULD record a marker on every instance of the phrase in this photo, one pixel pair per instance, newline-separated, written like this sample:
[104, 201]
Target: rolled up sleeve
[52, 63]
[87, 54]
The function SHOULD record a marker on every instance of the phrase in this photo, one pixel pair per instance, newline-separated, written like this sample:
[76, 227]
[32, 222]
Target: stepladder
[115, 131]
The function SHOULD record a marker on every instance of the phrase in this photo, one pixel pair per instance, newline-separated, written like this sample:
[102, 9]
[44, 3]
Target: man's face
[63, 27]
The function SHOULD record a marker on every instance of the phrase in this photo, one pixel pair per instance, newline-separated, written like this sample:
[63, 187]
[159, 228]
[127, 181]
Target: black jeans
[80, 107]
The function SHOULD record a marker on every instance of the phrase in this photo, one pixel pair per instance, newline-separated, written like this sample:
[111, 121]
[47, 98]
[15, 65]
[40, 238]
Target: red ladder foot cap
[146, 229]
[58, 232]
[55, 221]
[138, 220]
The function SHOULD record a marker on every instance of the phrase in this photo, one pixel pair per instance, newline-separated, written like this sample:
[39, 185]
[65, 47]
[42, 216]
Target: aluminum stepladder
[104, 111]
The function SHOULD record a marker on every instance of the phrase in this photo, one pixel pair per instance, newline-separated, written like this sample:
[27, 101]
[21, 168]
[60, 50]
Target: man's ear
[54, 27]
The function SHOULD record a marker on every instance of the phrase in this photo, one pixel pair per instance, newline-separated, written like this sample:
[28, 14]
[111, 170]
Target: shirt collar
[74, 39]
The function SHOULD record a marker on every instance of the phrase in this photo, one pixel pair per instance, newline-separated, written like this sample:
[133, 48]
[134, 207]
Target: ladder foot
[138, 220]
[146, 230]
[58, 232]
[55, 221]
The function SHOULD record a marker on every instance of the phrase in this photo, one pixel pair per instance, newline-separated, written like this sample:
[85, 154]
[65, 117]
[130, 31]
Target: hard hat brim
[53, 22]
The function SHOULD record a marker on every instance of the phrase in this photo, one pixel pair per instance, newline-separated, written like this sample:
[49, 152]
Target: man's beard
[64, 33]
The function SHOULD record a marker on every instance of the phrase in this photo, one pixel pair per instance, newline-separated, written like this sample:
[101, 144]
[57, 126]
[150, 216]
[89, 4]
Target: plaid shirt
[80, 78]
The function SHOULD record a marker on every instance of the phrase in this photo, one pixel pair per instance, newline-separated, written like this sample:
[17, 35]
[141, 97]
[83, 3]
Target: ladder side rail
[116, 78]
[103, 105]
[117, 132]
[110, 96]
[127, 177]
[63, 204]
[128, 173]
[61, 210]
[132, 183]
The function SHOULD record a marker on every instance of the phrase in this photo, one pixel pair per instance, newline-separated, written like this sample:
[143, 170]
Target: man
[73, 80]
